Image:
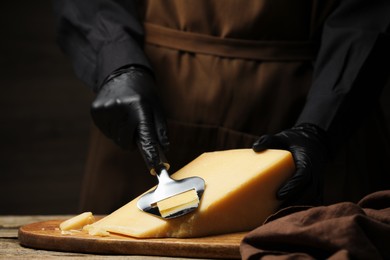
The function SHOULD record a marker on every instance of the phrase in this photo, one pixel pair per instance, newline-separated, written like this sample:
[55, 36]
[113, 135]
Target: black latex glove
[127, 110]
[307, 144]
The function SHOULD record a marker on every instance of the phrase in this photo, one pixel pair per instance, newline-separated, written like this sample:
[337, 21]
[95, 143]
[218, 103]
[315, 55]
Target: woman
[224, 73]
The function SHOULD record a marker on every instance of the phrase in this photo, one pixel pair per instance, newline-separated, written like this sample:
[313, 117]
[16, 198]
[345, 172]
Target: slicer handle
[163, 176]
[155, 160]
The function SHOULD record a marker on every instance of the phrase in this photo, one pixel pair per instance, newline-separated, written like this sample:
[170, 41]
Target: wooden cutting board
[46, 235]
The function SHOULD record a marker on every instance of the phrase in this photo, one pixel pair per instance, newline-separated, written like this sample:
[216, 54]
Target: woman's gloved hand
[308, 146]
[126, 109]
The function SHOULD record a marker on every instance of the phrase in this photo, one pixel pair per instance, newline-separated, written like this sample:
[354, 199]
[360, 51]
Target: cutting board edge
[32, 236]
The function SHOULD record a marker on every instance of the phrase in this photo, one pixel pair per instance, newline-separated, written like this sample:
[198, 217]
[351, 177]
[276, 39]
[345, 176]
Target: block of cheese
[239, 195]
[77, 222]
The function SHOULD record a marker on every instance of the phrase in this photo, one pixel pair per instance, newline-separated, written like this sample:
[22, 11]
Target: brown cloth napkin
[340, 231]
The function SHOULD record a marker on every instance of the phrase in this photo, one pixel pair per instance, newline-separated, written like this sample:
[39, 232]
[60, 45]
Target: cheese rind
[239, 195]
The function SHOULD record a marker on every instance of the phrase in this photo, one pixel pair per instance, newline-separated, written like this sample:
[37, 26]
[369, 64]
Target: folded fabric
[340, 231]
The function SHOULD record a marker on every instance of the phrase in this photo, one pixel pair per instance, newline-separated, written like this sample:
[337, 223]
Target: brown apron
[227, 72]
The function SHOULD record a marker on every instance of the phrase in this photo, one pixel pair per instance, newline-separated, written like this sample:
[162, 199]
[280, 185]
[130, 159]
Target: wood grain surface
[46, 235]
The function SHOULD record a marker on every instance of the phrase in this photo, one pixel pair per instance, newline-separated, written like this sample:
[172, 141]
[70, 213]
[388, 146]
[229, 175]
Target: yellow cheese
[239, 195]
[172, 205]
[77, 222]
[95, 231]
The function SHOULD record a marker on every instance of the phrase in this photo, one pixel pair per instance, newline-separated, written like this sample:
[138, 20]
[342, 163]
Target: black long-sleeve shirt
[100, 36]
[352, 66]
[350, 70]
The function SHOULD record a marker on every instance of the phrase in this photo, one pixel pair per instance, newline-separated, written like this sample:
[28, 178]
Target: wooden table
[11, 249]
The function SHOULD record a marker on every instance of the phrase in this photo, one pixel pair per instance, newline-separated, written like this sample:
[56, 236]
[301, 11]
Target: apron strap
[229, 47]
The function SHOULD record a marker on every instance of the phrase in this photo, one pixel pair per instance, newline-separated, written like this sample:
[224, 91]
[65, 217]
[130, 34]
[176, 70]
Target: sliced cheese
[179, 202]
[239, 195]
[77, 222]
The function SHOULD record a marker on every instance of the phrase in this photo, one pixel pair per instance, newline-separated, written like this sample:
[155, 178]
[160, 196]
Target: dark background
[44, 115]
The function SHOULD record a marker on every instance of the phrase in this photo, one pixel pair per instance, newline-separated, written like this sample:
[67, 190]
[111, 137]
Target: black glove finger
[161, 128]
[102, 119]
[103, 102]
[125, 130]
[311, 195]
[103, 112]
[111, 118]
[146, 136]
[116, 126]
[269, 142]
[303, 188]
[301, 180]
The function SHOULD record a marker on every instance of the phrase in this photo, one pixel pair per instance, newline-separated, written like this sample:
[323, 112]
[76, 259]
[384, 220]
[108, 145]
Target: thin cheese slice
[77, 222]
[239, 195]
[172, 205]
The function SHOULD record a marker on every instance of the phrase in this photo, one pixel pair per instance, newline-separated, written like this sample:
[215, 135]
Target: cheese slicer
[171, 198]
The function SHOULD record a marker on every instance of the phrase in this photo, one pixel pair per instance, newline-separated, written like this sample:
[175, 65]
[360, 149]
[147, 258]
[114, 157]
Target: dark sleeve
[352, 66]
[99, 36]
